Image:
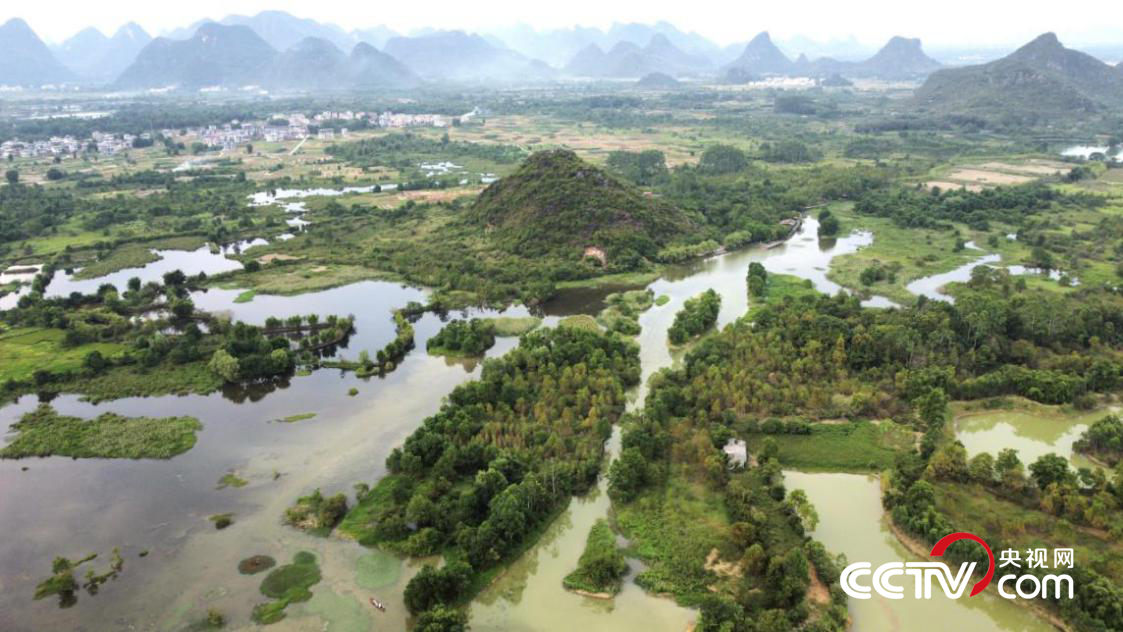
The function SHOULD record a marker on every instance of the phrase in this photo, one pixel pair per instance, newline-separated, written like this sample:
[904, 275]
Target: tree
[949, 462]
[933, 407]
[828, 224]
[442, 619]
[175, 278]
[722, 159]
[1050, 469]
[224, 365]
[12, 176]
[981, 468]
[804, 509]
[94, 361]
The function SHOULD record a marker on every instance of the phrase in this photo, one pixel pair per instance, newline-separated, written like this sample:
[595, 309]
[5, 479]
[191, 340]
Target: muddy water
[851, 522]
[529, 595]
[1032, 434]
[931, 286]
[72, 507]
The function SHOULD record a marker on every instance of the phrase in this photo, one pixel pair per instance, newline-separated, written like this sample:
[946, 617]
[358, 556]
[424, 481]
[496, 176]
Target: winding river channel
[59, 506]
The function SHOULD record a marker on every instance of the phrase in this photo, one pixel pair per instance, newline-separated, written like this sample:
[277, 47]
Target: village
[280, 127]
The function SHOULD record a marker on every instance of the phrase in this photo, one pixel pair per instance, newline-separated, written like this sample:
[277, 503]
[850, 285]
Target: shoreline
[918, 549]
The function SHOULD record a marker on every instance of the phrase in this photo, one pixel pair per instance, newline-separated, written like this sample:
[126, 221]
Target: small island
[463, 339]
[44, 432]
[601, 568]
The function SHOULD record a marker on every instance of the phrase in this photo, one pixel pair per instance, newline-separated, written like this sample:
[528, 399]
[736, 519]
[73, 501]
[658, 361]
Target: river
[60, 506]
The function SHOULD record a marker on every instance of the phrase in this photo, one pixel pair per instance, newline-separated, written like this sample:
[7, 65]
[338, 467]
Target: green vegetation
[835, 447]
[221, 521]
[557, 205]
[580, 321]
[499, 459]
[1103, 440]
[136, 255]
[286, 585]
[287, 278]
[25, 350]
[460, 338]
[291, 419]
[602, 566]
[44, 432]
[513, 326]
[315, 514]
[622, 311]
[62, 583]
[231, 479]
[662, 300]
[696, 316]
[406, 151]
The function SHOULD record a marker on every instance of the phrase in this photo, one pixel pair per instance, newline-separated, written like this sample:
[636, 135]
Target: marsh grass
[44, 432]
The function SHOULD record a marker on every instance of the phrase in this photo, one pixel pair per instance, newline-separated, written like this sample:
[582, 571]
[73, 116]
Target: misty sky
[938, 23]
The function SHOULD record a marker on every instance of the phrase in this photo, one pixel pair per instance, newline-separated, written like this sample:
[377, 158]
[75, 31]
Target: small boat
[377, 604]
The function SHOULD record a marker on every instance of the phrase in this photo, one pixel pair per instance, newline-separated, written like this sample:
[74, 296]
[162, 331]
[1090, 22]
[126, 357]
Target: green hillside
[557, 204]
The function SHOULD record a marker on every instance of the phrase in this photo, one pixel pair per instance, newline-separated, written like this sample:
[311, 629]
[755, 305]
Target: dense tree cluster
[403, 151]
[1103, 440]
[933, 208]
[463, 338]
[696, 316]
[500, 457]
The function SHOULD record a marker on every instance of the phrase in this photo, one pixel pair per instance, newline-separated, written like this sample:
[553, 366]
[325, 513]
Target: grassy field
[842, 447]
[580, 321]
[43, 432]
[780, 287]
[510, 326]
[166, 379]
[673, 528]
[137, 255]
[294, 278]
[601, 566]
[912, 253]
[25, 350]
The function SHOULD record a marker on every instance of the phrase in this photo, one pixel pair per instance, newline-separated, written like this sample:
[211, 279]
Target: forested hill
[556, 203]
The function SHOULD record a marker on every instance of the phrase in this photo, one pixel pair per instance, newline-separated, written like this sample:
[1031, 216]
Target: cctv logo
[924, 574]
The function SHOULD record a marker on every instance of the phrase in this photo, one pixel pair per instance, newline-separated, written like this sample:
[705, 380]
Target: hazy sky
[940, 23]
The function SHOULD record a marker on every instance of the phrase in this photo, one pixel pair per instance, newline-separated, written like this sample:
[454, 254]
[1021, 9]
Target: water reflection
[1032, 433]
[190, 262]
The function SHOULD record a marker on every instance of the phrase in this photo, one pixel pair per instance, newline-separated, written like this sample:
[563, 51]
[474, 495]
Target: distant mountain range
[279, 51]
[235, 56]
[626, 59]
[25, 59]
[92, 55]
[899, 59]
[1041, 80]
[460, 56]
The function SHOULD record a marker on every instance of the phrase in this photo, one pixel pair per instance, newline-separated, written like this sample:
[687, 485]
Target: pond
[1033, 432]
[190, 262]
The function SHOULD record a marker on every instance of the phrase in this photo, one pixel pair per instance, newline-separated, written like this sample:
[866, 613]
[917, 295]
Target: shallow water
[190, 262]
[1032, 435]
[931, 286]
[71, 507]
[851, 522]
